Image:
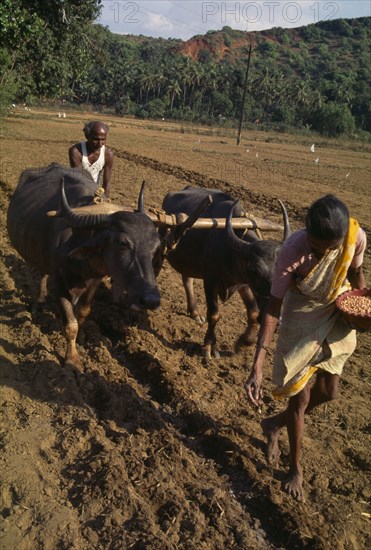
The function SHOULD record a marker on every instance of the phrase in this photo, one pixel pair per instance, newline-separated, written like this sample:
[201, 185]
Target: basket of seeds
[355, 305]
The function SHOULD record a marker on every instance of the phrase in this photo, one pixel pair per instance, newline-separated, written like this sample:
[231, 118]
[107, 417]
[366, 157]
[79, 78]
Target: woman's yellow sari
[313, 335]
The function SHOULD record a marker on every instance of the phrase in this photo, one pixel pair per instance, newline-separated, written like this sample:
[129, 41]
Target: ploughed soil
[150, 447]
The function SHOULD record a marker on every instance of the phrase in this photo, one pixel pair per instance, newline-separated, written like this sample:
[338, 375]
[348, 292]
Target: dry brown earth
[149, 447]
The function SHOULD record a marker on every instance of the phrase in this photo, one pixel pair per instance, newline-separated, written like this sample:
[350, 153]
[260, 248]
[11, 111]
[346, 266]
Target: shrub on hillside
[334, 119]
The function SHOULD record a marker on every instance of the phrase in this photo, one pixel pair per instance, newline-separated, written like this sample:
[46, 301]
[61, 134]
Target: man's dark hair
[327, 219]
[88, 128]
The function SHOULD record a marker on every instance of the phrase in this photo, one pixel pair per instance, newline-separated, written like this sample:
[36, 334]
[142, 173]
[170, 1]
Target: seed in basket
[357, 305]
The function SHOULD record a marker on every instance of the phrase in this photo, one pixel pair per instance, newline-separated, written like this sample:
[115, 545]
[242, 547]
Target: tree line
[315, 76]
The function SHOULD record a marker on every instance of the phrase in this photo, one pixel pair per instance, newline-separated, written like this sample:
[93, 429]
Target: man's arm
[75, 156]
[107, 171]
[266, 332]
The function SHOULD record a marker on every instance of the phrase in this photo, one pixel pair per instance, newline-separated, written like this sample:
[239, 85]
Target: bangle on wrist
[264, 347]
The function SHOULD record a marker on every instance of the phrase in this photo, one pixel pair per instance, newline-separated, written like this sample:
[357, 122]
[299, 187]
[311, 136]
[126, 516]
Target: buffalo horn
[80, 221]
[192, 218]
[286, 223]
[237, 244]
[141, 198]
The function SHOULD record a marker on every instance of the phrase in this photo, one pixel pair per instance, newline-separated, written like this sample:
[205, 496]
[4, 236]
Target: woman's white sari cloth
[313, 334]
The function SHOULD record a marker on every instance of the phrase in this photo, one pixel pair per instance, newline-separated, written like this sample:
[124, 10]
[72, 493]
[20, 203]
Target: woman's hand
[253, 389]
[266, 332]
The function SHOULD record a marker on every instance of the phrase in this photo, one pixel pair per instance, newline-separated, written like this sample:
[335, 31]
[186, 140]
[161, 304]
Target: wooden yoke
[159, 217]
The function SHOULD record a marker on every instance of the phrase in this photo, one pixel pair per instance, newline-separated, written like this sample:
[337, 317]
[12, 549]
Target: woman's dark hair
[327, 219]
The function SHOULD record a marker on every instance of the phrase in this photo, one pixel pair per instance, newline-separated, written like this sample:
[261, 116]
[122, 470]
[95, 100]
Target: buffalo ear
[92, 247]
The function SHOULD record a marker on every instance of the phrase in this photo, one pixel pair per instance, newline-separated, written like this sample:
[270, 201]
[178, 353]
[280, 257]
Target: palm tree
[196, 74]
[209, 82]
[174, 90]
[145, 82]
[302, 93]
[317, 100]
[158, 80]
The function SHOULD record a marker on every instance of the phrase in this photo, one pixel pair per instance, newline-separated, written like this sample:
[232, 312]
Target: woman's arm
[356, 277]
[266, 332]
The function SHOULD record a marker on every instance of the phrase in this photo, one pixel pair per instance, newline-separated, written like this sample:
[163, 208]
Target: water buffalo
[226, 262]
[79, 249]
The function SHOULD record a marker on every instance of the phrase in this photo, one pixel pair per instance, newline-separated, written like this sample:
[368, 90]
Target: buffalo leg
[71, 328]
[43, 293]
[192, 306]
[250, 335]
[83, 307]
[209, 348]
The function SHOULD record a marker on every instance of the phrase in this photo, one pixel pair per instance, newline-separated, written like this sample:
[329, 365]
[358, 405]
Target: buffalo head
[257, 258]
[122, 245]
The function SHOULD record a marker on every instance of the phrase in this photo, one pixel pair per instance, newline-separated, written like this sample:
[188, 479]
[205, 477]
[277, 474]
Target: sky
[186, 18]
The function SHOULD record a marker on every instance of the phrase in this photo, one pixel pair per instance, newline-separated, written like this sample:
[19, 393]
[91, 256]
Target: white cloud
[158, 23]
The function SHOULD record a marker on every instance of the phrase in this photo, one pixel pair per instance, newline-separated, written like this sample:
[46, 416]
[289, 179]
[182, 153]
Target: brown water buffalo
[79, 249]
[225, 260]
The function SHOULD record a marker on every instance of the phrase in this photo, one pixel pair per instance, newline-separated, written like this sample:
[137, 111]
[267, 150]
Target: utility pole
[244, 95]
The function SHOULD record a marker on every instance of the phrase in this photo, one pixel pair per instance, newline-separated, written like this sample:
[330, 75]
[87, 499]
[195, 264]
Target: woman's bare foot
[293, 485]
[271, 430]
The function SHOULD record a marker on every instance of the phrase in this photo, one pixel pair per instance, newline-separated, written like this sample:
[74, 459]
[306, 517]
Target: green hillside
[315, 76]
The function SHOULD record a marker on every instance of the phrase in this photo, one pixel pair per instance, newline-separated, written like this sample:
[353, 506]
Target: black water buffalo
[79, 249]
[226, 261]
